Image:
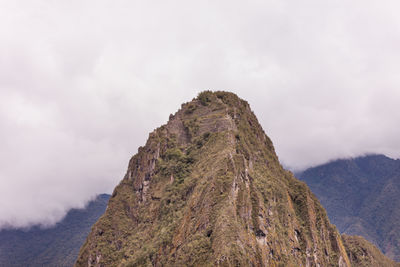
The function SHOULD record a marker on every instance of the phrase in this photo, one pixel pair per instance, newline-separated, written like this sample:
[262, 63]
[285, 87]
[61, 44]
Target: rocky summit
[207, 189]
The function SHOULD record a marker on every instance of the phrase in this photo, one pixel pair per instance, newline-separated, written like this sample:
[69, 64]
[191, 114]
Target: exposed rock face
[207, 189]
[363, 253]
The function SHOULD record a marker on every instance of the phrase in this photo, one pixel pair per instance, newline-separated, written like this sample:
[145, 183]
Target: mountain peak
[208, 113]
[208, 189]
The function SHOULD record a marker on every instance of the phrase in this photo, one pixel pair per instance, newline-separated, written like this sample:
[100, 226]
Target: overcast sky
[82, 83]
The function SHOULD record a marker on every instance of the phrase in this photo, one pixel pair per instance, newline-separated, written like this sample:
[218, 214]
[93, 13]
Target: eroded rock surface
[207, 189]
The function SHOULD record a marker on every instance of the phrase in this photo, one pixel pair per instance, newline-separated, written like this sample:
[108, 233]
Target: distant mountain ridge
[362, 197]
[55, 246]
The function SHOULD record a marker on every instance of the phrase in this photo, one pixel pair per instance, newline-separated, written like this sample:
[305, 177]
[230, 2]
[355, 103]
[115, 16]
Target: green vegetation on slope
[363, 253]
[207, 189]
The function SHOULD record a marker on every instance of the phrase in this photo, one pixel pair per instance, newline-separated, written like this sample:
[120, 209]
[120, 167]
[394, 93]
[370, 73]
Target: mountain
[207, 189]
[55, 246]
[363, 253]
[361, 196]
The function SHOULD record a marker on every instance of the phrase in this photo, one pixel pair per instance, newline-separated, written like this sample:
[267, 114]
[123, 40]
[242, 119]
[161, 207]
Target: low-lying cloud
[82, 83]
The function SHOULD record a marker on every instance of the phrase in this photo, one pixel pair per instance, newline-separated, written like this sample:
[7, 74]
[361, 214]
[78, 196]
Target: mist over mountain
[82, 83]
[207, 189]
[362, 197]
[55, 246]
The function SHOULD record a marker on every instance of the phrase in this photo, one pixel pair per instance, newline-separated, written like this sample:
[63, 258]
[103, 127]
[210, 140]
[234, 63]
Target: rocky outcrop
[363, 253]
[207, 189]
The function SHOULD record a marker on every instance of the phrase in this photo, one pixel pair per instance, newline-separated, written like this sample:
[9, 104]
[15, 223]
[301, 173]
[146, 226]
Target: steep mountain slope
[361, 196]
[56, 246]
[363, 253]
[207, 189]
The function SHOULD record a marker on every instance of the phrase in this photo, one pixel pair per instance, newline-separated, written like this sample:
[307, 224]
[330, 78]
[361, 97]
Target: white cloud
[82, 83]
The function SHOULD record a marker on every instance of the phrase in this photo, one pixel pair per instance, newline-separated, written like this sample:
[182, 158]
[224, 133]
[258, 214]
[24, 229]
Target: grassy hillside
[207, 189]
[363, 253]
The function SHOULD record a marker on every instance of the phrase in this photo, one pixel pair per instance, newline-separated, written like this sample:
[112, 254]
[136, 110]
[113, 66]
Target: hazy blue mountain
[56, 246]
[362, 197]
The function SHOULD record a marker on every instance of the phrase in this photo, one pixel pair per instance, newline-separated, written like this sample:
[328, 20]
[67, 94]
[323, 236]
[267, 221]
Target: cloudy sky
[82, 83]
